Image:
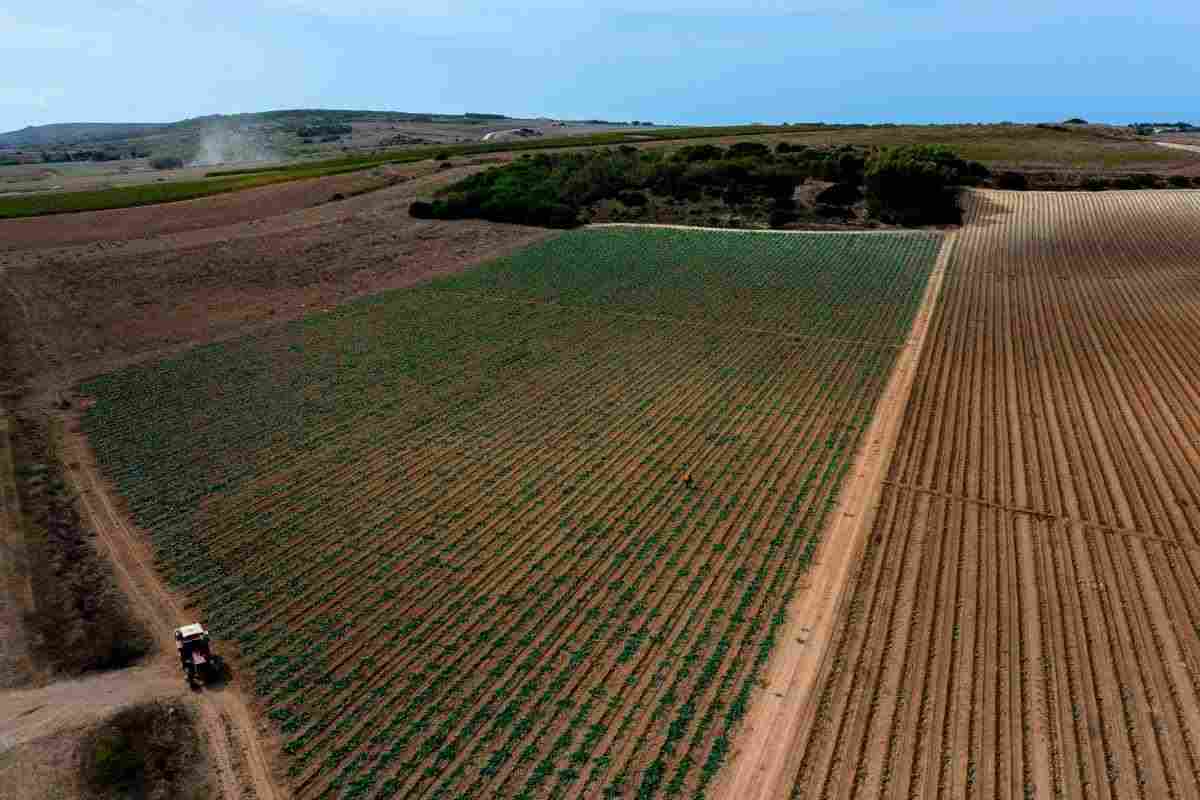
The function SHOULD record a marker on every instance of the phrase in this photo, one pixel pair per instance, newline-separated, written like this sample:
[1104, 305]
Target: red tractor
[195, 653]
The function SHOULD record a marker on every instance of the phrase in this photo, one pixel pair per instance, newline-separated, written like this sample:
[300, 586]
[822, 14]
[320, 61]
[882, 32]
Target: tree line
[912, 185]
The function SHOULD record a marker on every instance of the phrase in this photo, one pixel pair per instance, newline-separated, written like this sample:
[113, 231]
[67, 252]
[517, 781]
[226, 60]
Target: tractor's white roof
[195, 629]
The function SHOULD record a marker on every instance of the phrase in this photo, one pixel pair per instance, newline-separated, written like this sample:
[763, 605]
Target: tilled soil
[89, 308]
[58, 230]
[1024, 620]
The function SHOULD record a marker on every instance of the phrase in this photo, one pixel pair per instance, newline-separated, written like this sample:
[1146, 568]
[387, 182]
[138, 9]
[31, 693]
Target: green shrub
[554, 189]
[167, 162]
[749, 150]
[781, 216]
[1179, 181]
[700, 152]
[146, 751]
[1013, 181]
[315, 131]
[1142, 181]
[840, 194]
[911, 185]
[916, 185]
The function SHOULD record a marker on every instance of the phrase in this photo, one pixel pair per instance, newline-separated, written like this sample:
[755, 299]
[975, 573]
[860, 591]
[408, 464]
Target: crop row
[520, 545]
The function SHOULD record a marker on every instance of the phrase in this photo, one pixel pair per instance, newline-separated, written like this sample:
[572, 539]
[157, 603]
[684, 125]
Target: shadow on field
[980, 209]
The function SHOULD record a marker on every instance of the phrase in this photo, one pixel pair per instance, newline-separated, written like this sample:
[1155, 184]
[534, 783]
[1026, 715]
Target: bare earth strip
[1191, 148]
[29, 714]
[765, 762]
[832, 231]
[223, 712]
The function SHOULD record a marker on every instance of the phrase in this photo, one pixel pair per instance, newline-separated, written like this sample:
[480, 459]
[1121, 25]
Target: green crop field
[530, 530]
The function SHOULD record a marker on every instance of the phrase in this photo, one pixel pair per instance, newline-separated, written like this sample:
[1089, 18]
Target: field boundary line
[769, 231]
[767, 754]
[599, 309]
[1048, 516]
[1188, 148]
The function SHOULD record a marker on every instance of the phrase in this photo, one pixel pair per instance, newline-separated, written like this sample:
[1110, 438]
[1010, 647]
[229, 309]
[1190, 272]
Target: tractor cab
[195, 655]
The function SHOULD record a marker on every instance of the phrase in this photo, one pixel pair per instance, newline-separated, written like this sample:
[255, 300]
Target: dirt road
[1191, 148]
[761, 766]
[240, 763]
[26, 715]
[29, 714]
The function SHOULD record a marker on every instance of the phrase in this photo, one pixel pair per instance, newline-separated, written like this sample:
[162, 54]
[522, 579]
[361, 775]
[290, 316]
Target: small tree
[748, 150]
[840, 194]
[1013, 181]
[167, 162]
[914, 185]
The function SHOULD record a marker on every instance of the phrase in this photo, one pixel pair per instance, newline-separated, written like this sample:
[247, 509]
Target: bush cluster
[910, 185]
[146, 751]
[918, 184]
[314, 131]
[167, 162]
[1097, 183]
[555, 189]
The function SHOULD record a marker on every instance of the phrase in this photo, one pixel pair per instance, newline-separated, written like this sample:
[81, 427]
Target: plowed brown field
[1024, 620]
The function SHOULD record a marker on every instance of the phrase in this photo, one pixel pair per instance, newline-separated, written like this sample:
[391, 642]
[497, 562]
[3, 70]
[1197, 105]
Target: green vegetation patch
[146, 751]
[32, 205]
[1008, 146]
[909, 185]
[533, 529]
[803, 284]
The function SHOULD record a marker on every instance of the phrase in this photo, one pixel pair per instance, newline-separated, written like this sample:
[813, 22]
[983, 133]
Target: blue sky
[703, 61]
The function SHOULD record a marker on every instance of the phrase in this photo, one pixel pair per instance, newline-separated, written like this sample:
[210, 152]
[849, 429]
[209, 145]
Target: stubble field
[529, 531]
[1025, 620]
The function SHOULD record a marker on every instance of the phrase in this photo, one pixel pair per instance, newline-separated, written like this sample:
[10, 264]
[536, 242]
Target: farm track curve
[239, 760]
[1024, 618]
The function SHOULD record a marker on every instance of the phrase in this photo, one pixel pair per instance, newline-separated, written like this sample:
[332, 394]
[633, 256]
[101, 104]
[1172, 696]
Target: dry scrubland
[1021, 147]
[93, 306]
[1025, 619]
[528, 531]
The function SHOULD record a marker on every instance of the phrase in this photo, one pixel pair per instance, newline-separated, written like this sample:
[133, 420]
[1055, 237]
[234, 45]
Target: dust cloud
[224, 144]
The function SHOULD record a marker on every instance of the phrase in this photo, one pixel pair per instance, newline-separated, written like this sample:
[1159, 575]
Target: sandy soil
[759, 764]
[1191, 148]
[90, 308]
[1023, 621]
[30, 714]
[45, 769]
